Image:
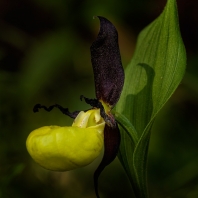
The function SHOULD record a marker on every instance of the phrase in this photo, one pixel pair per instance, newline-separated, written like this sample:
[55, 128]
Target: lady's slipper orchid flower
[65, 148]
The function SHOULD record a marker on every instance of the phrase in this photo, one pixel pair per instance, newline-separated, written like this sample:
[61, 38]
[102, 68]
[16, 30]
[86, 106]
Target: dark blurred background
[45, 58]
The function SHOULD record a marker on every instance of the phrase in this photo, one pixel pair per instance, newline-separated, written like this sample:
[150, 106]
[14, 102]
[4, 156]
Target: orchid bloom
[66, 148]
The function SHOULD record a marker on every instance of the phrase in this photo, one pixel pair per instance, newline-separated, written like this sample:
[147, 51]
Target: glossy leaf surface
[152, 76]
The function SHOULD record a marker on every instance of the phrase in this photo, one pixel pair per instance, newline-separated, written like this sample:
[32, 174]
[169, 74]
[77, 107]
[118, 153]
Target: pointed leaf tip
[106, 62]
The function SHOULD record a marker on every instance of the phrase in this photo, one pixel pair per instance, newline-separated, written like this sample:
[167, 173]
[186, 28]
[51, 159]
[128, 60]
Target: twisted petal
[106, 62]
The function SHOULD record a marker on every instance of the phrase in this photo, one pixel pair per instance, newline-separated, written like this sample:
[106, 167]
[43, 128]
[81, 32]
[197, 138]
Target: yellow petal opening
[66, 148]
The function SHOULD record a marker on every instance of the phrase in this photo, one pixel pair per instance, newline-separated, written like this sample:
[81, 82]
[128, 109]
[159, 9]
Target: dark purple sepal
[111, 145]
[107, 65]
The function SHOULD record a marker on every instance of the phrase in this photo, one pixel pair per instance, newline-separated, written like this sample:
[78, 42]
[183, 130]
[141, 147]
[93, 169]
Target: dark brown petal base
[111, 145]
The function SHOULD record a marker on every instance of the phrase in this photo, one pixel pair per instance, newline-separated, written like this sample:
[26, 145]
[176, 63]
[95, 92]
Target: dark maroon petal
[109, 118]
[111, 146]
[62, 109]
[107, 65]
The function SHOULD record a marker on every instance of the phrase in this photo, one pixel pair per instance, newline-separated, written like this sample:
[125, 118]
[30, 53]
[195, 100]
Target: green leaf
[127, 126]
[152, 76]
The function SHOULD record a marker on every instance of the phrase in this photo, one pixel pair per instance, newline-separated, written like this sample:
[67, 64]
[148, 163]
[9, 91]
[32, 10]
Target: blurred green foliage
[45, 58]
